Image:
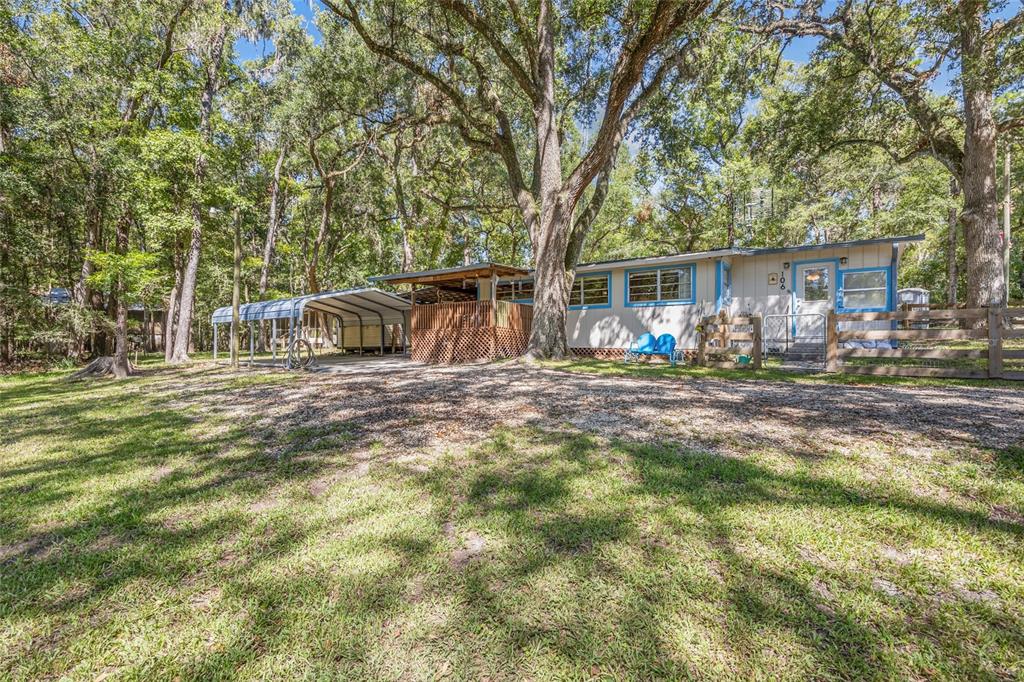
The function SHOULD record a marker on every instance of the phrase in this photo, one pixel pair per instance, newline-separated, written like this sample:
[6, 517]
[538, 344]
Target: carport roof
[463, 272]
[365, 305]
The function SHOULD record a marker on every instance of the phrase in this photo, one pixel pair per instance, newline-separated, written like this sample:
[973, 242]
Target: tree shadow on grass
[539, 553]
[592, 571]
[138, 499]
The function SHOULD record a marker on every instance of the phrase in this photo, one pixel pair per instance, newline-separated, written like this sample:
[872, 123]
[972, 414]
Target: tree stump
[100, 367]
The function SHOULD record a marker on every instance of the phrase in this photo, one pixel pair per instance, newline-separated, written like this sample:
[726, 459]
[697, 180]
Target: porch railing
[473, 315]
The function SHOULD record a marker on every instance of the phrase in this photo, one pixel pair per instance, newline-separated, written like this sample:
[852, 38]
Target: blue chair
[647, 345]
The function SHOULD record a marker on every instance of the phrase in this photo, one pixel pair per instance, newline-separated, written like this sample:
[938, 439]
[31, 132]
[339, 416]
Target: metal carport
[346, 306]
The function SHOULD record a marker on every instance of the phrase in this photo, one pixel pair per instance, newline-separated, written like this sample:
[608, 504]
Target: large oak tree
[517, 79]
[891, 54]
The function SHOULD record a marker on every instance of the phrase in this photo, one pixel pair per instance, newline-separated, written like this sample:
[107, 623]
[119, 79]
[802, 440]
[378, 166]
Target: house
[484, 310]
[614, 302]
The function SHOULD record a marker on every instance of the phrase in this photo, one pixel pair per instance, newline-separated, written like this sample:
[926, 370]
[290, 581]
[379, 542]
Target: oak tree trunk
[121, 367]
[552, 285]
[548, 227]
[312, 280]
[172, 310]
[405, 220]
[236, 293]
[952, 260]
[980, 217]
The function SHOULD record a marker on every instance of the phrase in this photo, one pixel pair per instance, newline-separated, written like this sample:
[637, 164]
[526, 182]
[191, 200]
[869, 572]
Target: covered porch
[462, 331]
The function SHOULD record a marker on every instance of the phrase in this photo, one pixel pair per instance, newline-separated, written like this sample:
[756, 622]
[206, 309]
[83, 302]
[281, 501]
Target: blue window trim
[674, 301]
[889, 271]
[722, 269]
[595, 306]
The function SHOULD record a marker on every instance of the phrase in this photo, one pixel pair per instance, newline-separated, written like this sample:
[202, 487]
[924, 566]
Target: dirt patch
[37, 549]
[1003, 514]
[204, 600]
[885, 587]
[161, 472]
[473, 546]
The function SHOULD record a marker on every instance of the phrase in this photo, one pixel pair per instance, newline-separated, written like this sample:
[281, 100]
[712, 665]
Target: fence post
[757, 324]
[702, 342]
[995, 343]
[723, 331]
[831, 342]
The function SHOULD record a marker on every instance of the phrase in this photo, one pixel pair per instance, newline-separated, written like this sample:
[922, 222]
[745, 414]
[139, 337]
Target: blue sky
[246, 49]
[798, 50]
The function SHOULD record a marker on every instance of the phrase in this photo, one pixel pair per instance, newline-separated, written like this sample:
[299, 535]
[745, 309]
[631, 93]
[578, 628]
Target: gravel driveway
[404, 406]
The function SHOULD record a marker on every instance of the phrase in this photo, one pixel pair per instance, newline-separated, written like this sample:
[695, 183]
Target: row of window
[643, 287]
[859, 289]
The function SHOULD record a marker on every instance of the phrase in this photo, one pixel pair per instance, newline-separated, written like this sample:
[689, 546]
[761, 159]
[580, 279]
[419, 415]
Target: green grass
[771, 372]
[143, 537]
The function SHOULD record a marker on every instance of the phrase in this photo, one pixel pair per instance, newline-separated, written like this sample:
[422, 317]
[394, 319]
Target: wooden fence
[927, 338]
[719, 335]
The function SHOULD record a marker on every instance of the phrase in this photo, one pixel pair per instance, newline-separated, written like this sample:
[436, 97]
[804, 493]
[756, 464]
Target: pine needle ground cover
[504, 522]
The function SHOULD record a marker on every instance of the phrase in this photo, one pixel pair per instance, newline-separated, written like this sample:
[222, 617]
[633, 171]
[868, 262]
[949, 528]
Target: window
[663, 285]
[521, 290]
[865, 289]
[589, 290]
[816, 284]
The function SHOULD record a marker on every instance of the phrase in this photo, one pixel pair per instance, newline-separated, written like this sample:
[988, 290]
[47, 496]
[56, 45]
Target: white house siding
[617, 325]
[753, 294]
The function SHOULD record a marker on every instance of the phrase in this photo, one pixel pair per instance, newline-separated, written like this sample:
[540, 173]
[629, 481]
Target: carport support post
[494, 299]
[273, 340]
[407, 331]
[214, 340]
[287, 350]
[252, 341]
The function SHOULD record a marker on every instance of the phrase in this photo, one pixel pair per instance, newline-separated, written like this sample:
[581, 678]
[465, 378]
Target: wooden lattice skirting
[617, 353]
[450, 346]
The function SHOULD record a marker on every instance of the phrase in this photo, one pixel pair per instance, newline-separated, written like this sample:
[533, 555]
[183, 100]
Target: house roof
[487, 269]
[742, 251]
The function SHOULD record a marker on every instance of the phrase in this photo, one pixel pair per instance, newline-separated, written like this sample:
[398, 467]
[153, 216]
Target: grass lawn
[771, 372]
[202, 524]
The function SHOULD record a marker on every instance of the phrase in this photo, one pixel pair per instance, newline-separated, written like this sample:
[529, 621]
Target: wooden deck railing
[473, 315]
[470, 330]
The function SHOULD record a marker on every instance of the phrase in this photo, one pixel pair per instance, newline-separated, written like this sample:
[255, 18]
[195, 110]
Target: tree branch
[453, 95]
[477, 22]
